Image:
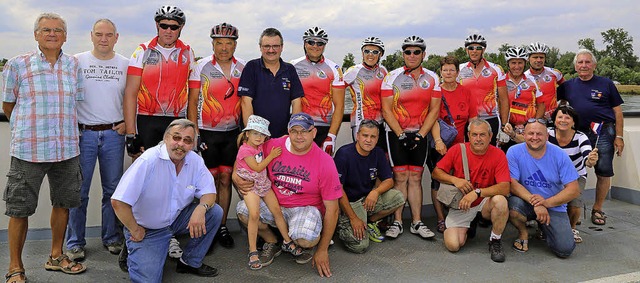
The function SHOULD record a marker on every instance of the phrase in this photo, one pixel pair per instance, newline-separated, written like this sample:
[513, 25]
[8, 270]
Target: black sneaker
[224, 237]
[203, 271]
[495, 248]
[122, 259]
[471, 232]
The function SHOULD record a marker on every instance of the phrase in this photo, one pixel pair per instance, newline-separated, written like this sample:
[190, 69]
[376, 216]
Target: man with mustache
[168, 191]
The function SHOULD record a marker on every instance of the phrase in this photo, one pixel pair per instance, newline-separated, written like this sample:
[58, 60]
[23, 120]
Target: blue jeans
[606, 149]
[558, 232]
[147, 257]
[108, 148]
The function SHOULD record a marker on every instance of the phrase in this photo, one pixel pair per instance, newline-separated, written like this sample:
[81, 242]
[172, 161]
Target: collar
[282, 63]
[407, 70]
[376, 66]
[42, 56]
[319, 61]
[179, 43]
[524, 78]
[164, 154]
[485, 65]
[213, 60]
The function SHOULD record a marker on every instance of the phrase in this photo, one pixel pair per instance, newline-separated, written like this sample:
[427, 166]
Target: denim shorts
[25, 179]
[604, 167]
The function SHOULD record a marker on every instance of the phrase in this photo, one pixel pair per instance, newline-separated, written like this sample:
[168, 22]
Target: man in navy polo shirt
[596, 100]
[269, 87]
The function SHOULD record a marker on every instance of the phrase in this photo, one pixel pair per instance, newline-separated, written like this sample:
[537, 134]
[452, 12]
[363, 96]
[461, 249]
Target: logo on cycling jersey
[236, 73]
[406, 85]
[524, 86]
[546, 78]
[321, 74]
[303, 73]
[215, 75]
[153, 58]
[486, 73]
[425, 84]
[379, 75]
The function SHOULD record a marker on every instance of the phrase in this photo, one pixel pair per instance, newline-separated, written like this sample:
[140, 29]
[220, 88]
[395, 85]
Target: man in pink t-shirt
[305, 181]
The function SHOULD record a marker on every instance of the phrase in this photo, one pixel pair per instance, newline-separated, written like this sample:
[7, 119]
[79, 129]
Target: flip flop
[521, 245]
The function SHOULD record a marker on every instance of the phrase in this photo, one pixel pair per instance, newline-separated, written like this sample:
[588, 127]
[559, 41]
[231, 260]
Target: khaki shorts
[577, 202]
[462, 219]
[25, 178]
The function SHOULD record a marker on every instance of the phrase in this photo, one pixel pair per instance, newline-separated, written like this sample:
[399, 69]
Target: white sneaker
[422, 230]
[394, 230]
[174, 248]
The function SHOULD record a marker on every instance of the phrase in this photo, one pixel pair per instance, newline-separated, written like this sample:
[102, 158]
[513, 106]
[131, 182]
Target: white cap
[258, 124]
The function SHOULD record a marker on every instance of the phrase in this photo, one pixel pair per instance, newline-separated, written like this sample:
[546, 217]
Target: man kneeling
[360, 165]
[484, 193]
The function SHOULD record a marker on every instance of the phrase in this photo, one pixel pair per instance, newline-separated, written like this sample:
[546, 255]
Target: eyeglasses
[369, 51]
[476, 47]
[56, 31]
[314, 43]
[185, 140]
[415, 52]
[539, 120]
[296, 132]
[166, 26]
[274, 47]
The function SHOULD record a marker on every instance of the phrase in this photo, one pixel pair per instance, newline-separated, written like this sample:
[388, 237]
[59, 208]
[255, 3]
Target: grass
[628, 89]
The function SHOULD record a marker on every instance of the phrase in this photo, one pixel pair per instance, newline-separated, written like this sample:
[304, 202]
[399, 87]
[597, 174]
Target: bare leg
[273, 205]
[263, 230]
[414, 194]
[17, 235]
[252, 201]
[223, 187]
[518, 220]
[437, 206]
[401, 182]
[497, 209]
[602, 188]
[455, 238]
[59, 218]
[574, 215]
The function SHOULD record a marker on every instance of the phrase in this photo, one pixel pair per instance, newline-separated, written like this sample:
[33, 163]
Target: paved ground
[608, 254]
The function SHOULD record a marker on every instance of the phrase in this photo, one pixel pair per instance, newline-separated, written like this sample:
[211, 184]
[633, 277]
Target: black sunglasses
[415, 52]
[374, 52]
[166, 26]
[313, 43]
[477, 47]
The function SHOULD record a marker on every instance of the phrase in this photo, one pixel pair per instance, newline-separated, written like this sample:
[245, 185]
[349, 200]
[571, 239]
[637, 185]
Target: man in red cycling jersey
[216, 111]
[547, 78]
[323, 88]
[486, 82]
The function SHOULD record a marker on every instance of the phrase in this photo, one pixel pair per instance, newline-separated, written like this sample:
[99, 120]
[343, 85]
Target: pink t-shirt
[302, 180]
[247, 150]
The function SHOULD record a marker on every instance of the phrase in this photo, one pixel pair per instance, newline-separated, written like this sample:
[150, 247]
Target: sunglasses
[539, 120]
[166, 26]
[314, 43]
[185, 140]
[415, 52]
[477, 47]
[368, 51]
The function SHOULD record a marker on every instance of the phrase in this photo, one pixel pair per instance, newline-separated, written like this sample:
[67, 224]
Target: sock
[494, 236]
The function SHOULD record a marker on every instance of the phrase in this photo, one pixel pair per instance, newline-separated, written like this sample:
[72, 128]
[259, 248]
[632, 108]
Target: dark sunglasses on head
[415, 52]
[374, 52]
[166, 26]
[477, 47]
[539, 120]
[185, 140]
[314, 43]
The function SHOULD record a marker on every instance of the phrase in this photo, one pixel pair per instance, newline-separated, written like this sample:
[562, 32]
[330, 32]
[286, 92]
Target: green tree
[619, 46]
[552, 57]
[565, 65]
[460, 54]
[348, 61]
[433, 63]
[393, 61]
[590, 44]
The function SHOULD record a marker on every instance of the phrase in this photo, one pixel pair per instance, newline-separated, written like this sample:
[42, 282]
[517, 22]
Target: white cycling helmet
[516, 53]
[224, 30]
[373, 41]
[167, 12]
[414, 41]
[475, 38]
[537, 47]
[315, 33]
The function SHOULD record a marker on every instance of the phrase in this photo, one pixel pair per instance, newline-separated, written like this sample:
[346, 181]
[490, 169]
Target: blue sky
[443, 24]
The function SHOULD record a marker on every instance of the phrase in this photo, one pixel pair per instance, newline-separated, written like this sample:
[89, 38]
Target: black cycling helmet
[475, 38]
[414, 41]
[167, 12]
[224, 30]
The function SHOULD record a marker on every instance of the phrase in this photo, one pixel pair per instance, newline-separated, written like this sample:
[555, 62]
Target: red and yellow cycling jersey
[484, 88]
[548, 81]
[317, 81]
[364, 85]
[522, 99]
[219, 104]
[163, 87]
[411, 97]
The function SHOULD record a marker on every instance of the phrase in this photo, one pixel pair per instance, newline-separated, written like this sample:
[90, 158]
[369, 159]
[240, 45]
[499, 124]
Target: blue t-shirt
[546, 176]
[593, 99]
[358, 173]
[272, 95]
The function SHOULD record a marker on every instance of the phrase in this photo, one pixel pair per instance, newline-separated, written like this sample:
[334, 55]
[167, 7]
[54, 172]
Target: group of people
[269, 127]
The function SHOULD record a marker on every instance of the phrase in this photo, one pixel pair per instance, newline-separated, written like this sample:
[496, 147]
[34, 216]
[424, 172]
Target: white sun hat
[259, 124]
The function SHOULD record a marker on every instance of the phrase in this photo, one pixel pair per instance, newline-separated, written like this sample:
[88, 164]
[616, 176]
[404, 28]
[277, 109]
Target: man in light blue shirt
[543, 180]
[157, 198]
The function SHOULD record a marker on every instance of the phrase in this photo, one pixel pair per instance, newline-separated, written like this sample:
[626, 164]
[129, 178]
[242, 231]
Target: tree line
[616, 61]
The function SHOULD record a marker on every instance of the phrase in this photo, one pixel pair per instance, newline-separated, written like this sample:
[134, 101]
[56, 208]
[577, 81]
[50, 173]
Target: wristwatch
[477, 191]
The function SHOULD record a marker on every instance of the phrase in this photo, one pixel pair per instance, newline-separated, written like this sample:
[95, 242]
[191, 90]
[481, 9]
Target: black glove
[200, 146]
[133, 145]
[404, 141]
[408, 141]
[418, 139]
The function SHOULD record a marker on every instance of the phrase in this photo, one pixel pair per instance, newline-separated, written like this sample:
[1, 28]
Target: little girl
[251, 165]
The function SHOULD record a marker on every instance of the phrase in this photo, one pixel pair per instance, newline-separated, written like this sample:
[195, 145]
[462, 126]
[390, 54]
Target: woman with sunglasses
[363, 82]
[462, 108]
[576, 144]
[410, 105]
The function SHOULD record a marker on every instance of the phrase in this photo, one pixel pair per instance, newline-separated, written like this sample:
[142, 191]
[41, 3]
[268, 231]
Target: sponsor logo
[321, 74]
[379, 75]
[373, 173]
[153, 58]
[236, 73]
[486, 73]
[546, 78]
[303, 73]
[424, 84]
[537, 180]
[406, 85]
[596, 94]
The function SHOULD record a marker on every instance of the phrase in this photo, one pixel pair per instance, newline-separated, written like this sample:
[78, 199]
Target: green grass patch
[628, 89]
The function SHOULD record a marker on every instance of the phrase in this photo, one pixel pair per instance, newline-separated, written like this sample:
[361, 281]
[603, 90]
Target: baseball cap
[301, 119]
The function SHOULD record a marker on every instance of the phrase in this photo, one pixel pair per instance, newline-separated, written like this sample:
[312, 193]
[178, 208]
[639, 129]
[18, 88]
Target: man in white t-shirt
[101, 135]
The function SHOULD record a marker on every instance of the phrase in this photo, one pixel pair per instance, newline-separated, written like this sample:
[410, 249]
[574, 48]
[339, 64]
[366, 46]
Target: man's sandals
[15, 276]
[58, 264]
[598, 217]
[521, 245]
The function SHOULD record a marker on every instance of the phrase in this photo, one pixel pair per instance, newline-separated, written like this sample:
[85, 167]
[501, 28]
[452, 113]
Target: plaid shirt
[44, 126]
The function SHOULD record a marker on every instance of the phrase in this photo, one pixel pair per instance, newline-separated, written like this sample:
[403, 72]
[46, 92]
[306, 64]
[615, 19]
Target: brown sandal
[521, 245]
[598, 217]
[55, 264]
[15, 273]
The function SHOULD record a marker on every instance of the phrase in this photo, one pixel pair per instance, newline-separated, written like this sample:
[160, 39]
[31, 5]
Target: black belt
[102, 127]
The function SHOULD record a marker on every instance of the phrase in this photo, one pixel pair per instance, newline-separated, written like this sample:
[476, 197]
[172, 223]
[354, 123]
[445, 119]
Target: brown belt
[102, 127]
